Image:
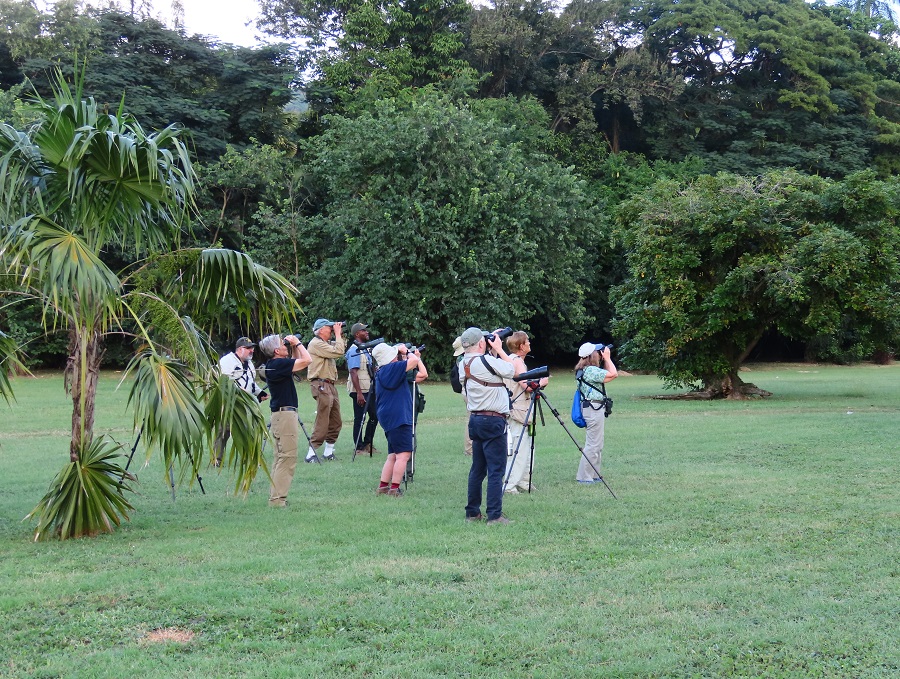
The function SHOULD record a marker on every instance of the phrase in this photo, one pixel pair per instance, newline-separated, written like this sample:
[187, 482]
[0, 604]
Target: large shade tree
[425, 216]
[73, 184]
[717, 262]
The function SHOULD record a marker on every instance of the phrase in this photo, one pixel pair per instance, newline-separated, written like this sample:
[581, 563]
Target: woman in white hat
[593, 399]
[395, 409]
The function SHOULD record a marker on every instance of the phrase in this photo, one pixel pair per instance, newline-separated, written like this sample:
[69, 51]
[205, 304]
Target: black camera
[502, 334]
[607, 406]
[533, 374]
[367, 346]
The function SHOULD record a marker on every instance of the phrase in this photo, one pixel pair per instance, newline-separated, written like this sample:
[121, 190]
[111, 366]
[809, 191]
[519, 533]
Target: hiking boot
[499, 521]
[474, 519]
[382, 490]
[396, 492]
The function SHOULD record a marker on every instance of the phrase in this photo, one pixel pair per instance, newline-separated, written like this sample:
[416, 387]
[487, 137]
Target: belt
[283, 408]
[320, 379]
[489, 413]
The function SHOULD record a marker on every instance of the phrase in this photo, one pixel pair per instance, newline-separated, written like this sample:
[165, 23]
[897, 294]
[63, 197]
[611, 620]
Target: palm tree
[873, 9]
[79, 181]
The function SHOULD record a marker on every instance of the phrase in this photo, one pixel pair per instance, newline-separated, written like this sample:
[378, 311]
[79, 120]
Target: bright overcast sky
[224, 19]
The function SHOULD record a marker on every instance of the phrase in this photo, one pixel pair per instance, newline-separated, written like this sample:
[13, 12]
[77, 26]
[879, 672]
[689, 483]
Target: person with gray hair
[285, 357]
[487, 401]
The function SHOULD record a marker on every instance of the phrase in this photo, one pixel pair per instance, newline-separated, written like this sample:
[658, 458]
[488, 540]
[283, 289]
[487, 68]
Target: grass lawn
[750, 539]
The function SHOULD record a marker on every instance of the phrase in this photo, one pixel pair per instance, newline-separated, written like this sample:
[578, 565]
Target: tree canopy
[715, 263]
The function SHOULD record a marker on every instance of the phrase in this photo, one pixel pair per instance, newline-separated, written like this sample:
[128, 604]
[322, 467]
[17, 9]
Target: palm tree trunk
[82, 371]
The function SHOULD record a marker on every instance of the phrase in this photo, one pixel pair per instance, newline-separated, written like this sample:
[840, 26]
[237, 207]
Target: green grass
[750, 539]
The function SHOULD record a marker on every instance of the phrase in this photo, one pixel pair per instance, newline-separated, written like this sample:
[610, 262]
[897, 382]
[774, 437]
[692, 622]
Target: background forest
[696, 181]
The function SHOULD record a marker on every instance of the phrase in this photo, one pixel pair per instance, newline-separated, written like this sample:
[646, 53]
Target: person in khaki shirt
[326, 345]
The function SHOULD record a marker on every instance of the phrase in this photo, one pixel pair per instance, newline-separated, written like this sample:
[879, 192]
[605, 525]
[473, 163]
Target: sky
[224, 19]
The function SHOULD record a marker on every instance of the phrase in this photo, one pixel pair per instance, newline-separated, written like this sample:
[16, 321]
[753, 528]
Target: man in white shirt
[238, 365]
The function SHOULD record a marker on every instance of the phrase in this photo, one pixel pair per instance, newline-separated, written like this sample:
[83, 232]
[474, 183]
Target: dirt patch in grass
[158, 636]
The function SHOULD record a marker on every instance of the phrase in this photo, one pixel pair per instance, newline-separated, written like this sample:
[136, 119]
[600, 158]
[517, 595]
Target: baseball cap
[356, 327]
[587, 349]
[384, 353]
[243, 342]
[321, 323]
[458, 347]
[471, 337]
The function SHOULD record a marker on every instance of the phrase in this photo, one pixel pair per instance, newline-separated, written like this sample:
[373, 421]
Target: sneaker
[500, 520]
[330, 458]
[372, 450]
[361, 451]
[396, 492]
[278, 503]
[314, 458]
[588, 481]
[511, 491]
[474, 519]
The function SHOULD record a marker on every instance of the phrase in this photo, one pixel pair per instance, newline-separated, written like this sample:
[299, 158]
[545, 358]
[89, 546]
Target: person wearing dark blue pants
[487, 401]
[489, 446]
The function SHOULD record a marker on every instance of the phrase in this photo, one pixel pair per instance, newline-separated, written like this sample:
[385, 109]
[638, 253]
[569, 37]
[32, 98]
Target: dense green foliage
[361, 161]
[715, 263]
[407, 240]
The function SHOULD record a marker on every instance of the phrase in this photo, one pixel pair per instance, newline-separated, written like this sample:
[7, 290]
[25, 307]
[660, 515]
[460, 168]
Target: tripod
[366, 420]
[537, 395]
[411, 465]
[171, 468]
[364, 423]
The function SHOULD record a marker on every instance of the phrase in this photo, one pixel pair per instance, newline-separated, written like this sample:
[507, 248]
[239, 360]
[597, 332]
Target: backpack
[454, 379]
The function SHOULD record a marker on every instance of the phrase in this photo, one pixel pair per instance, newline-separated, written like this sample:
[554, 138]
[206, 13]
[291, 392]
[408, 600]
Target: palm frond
[168, 409]
[9, 361]
[234, 409]
[86, 497]
[258, 293]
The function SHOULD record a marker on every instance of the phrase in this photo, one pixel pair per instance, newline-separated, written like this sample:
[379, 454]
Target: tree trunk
[733, 387]
[82, 371]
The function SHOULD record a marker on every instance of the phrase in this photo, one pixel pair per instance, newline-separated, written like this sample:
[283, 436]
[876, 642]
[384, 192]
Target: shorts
[400, 439]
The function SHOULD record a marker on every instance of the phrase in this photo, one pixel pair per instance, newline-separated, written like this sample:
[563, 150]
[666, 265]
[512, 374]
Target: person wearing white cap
[322, 374]
[238, 365]
[592, 399]
[395, 409]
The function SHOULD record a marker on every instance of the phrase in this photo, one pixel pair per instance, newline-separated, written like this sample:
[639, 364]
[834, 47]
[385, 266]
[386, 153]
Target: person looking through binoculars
[362, 393]
[326, 346]
[395, 408]
[285, 357]
[593, 404]
[487, 401]
[520, 432]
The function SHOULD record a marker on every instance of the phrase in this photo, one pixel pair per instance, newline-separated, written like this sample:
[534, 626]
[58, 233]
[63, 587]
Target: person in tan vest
[326, 346]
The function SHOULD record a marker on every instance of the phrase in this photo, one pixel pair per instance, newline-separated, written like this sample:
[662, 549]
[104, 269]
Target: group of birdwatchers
[500, 408]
